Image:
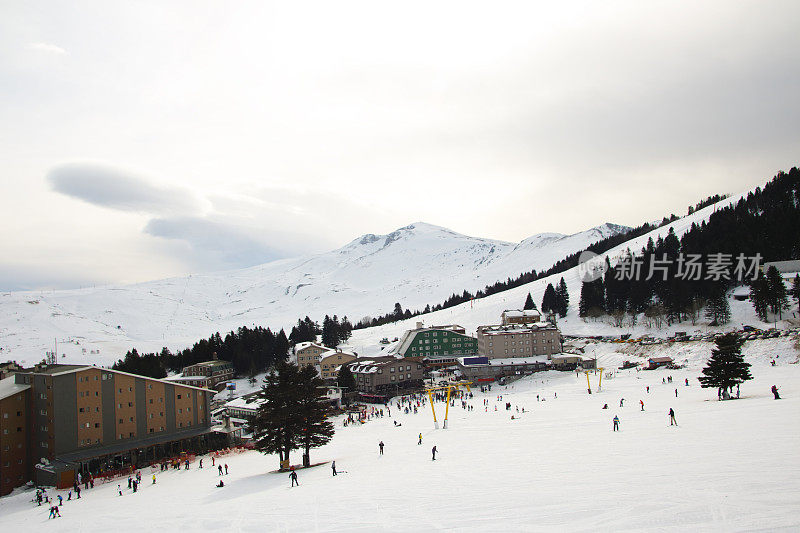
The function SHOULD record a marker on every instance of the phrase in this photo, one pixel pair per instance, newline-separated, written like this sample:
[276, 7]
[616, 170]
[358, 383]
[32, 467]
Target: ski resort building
[481, 368]
[519, 340]
[331, 360]
[383, 375]
[63, 419]
[517, 316]
[435, 341]
[308, 353]
[207, 374]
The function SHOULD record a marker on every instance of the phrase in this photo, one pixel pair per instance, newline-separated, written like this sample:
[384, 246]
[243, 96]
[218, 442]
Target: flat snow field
[728, 466]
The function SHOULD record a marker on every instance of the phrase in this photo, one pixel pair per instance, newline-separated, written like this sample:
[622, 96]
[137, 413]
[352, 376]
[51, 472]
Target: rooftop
[8, 387]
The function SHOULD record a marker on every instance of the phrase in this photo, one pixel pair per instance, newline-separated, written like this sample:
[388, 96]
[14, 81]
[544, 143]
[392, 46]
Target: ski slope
[727, 466]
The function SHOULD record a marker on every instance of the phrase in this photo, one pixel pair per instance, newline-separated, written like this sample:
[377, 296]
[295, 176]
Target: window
[43, 412]
[120, 421]
[391, 369]
[44, 444]
[179, 396]
[130, 419]
[130, 404]
[80, 410]
[392, 378]
[5, 415]
[97, 424]
[408, 376]
[151, 400]
[42, 396]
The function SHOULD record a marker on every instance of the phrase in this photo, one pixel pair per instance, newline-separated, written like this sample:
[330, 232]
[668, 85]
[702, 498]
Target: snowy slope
[487, 310]
[416, 265]
[727, 466]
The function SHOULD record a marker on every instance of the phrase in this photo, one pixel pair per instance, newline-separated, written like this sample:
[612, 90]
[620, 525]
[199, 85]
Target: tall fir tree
[549, 300]
[778, 297]
[759, 296]
[717, 309]
[293, 413]
[345, 378]
[529, 303]
[726, 367]
[794, 292]
[563, 298]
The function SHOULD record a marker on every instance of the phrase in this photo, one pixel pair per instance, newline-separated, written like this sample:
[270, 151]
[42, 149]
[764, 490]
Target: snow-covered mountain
[415, 265]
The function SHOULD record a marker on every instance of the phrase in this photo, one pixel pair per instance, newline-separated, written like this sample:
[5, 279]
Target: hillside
[415, 265]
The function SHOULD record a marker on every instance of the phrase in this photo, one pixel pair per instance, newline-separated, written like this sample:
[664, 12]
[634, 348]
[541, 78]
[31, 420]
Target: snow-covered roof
[516, 328]
[302, 345]
[245, 403]
[9, 387]
[517, 313]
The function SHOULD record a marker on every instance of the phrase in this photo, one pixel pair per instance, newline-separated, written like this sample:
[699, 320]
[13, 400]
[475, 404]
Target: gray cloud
[113, 188]
[214, 244]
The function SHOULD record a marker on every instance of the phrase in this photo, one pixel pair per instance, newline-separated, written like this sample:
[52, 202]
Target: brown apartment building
[308, 353]
[519, 340]
[385, 375]
[74, 418]
[331, 361]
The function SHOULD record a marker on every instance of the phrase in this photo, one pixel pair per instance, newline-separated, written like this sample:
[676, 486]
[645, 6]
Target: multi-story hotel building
[63, 419]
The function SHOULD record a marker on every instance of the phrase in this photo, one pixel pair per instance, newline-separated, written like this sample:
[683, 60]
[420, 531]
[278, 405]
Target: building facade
[517, 316]
[309, 353]
[207, 375]
[92, 420]
[331, 361]
[15, 468]
[519, 340]
[436, 341]
[385, 375]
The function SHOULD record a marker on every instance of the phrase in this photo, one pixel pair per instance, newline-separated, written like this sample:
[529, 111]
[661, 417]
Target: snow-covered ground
[728, 466]
[416, 265]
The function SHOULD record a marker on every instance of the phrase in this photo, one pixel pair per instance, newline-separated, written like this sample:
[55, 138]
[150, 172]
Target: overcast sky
[141, 140]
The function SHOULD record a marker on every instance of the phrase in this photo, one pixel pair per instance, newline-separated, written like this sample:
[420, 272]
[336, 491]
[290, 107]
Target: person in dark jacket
[775, 392]
[293, 477]
[616, 423]
[433, 453]
[672, 421]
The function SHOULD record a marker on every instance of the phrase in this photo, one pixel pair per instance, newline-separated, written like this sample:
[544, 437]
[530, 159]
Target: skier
[621, 400]
[641, 402]
[333, 467]
[672, 421]
[380, 447]
[54, 512]
[616, 423]
[420, 439]
[648, 389]
[78, 491]
[219, 467]
[154, 479]
[605, 406]
[775, 392]
[201, 462]
[687, 382]
[433, 453]
[226, 469]
[60, 500]
[676, 393]
[293, 477]
[119, 489]
[221, 483]
[212, 460]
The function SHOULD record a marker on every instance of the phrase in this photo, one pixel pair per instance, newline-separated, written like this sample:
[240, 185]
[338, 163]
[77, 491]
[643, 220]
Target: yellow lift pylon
[599, 382]
[450, 387]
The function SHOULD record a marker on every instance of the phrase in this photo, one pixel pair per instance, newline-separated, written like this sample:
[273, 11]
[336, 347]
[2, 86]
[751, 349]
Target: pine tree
[329, 332]
[794, 292]
[563, 298]
[726, 367]
[345, 378]
[717, 308]
[529, 303]
[293, 413]
[759, 295]
[778, 298]
[549, 300]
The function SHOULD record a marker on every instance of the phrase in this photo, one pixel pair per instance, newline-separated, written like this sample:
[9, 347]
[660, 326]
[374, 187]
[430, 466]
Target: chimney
[214, 356]
[419, 325]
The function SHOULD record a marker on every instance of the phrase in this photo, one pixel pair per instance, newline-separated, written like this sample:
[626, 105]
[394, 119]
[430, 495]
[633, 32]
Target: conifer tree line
[766, 222]
[251, 350]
